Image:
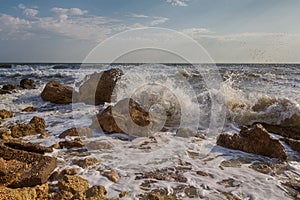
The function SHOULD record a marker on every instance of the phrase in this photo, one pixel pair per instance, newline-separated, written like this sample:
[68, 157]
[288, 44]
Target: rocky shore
[31, 171]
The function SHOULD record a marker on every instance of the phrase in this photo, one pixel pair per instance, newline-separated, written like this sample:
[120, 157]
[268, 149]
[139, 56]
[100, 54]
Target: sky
[232, 31]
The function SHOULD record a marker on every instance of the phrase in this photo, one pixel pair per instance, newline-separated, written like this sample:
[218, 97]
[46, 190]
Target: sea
[207, 100]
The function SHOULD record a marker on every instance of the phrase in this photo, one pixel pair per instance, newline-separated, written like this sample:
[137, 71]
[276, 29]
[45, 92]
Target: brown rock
[254, 140]
[36, 125]
[26, 193]
[27, 84]
[99, 87]
[285, 131]
[4, 114]
[29, 147]
[57, 93]
[97, 192]
[294, 144]
[71, 143]
[4, 92]
[8, 87]
[29, 109]
[76, 132]
[127, 116]
[86, 162]
[39, 124]
[40, 167]
[111, 175]
[73, 184]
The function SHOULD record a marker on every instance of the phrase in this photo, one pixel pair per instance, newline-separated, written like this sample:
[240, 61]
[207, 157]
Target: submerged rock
[98, 89]
[76, 132]
[29, 109]
[57, 93]
[86, 162]
[77, 143]
[254, 140]
[127, 116]
[27, 84]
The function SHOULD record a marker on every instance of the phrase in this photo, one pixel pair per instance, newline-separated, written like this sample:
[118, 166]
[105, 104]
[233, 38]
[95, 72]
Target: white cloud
[29, 12]
[181, 3]
[194, 32]
[158, 20]
[68, 11]
[133, 15]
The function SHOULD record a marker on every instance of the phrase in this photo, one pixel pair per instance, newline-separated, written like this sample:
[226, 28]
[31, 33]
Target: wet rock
[99, 87]
[38, 167]
[39, 124]
[4, 92]
[77, 143]
[123, 194]
[74, 184]
[294, 144]
[58, 176]
[36, 125]
[57, 93]
[285, 131]
[29, 109]
[127, 116]
[10, 171]
[86, 162]
[4, 114]
[292, 187]
[202, 173]
[29, 147]
[8, 87]
[237, 163]
[269, 168]
[230, 182]
[254, 140]
[97, 192]
[28, 193]
[111, 175]
[98, 145]
[27, 83]
[76, 132]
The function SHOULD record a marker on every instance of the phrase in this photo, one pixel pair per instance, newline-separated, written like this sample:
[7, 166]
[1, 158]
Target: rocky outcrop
[294, 144]
[255, 140]
[76, 132]
[28, 193]
[285, 131]
[77, 143]
[27, 84]
[30, 166]
[98, 89]
[4, 114]
[57, 93]
[84, 163]
[8, 87]
[29, 109]
[127, 116]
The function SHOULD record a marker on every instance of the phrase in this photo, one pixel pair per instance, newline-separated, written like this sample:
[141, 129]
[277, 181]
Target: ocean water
[205, 99]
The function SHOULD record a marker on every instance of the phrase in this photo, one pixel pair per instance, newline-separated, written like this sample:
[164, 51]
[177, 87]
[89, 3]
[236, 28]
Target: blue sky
[230, 30]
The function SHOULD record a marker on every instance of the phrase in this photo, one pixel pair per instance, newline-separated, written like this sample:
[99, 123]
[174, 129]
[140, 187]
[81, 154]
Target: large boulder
[127, 116]
[255, 140]
[98, 89]
[285, 131]
[27, 83]
[57, 93]
[35, 168]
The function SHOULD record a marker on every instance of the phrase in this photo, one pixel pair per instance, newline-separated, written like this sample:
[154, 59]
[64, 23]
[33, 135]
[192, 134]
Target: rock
[36, 125]
[76, 132]
[4, 114]
[38, 167]
[27, 84]
[74, 184]
[71, 143]
[4, 92]
[254, 140]
[131, 117]
[29, 147]
[10, 171]
[57, 93]
[29, 109]
[99, 87]
[57, 176]
[8, 87]
[39, 124]
[26, 193]
[86, 162]
[294, 144]
[97, 192]
[285, 131]
[111, 175]
[292, 187]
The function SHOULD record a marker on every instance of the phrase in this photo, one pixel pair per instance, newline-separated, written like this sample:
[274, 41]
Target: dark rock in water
[99, 87]
[111, 175]
[57, 93]
[74, 185]
[285, 131]
[27, 84]
[29, 109]
[86, 162]
[39, 124]
[29, 147]
[4, 91]
[59, 67]
[37, 169]
[96, 192]
[8, 87]
[127, 116]
[255, 140]
[71, 143]
[5, 66]
[76, 132]
[4, 114]
[294, 144]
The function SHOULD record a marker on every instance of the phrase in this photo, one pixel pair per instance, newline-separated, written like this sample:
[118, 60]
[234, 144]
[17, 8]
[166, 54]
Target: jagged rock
[127, 116]
[86, 162]
[294, 144]
[97, 192]
[4, 114]
[254, 140]
[37, 166]
[76, 132]
[56, 176]
[285, 131]
[71, 143]
[8, 87]
[29, 147]
[36, 125]
[4, 91]
[74, 184]
[57, 93]
[29, 109]
[111, 175]
[26, 193]
[99, 87]
[27, 83]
